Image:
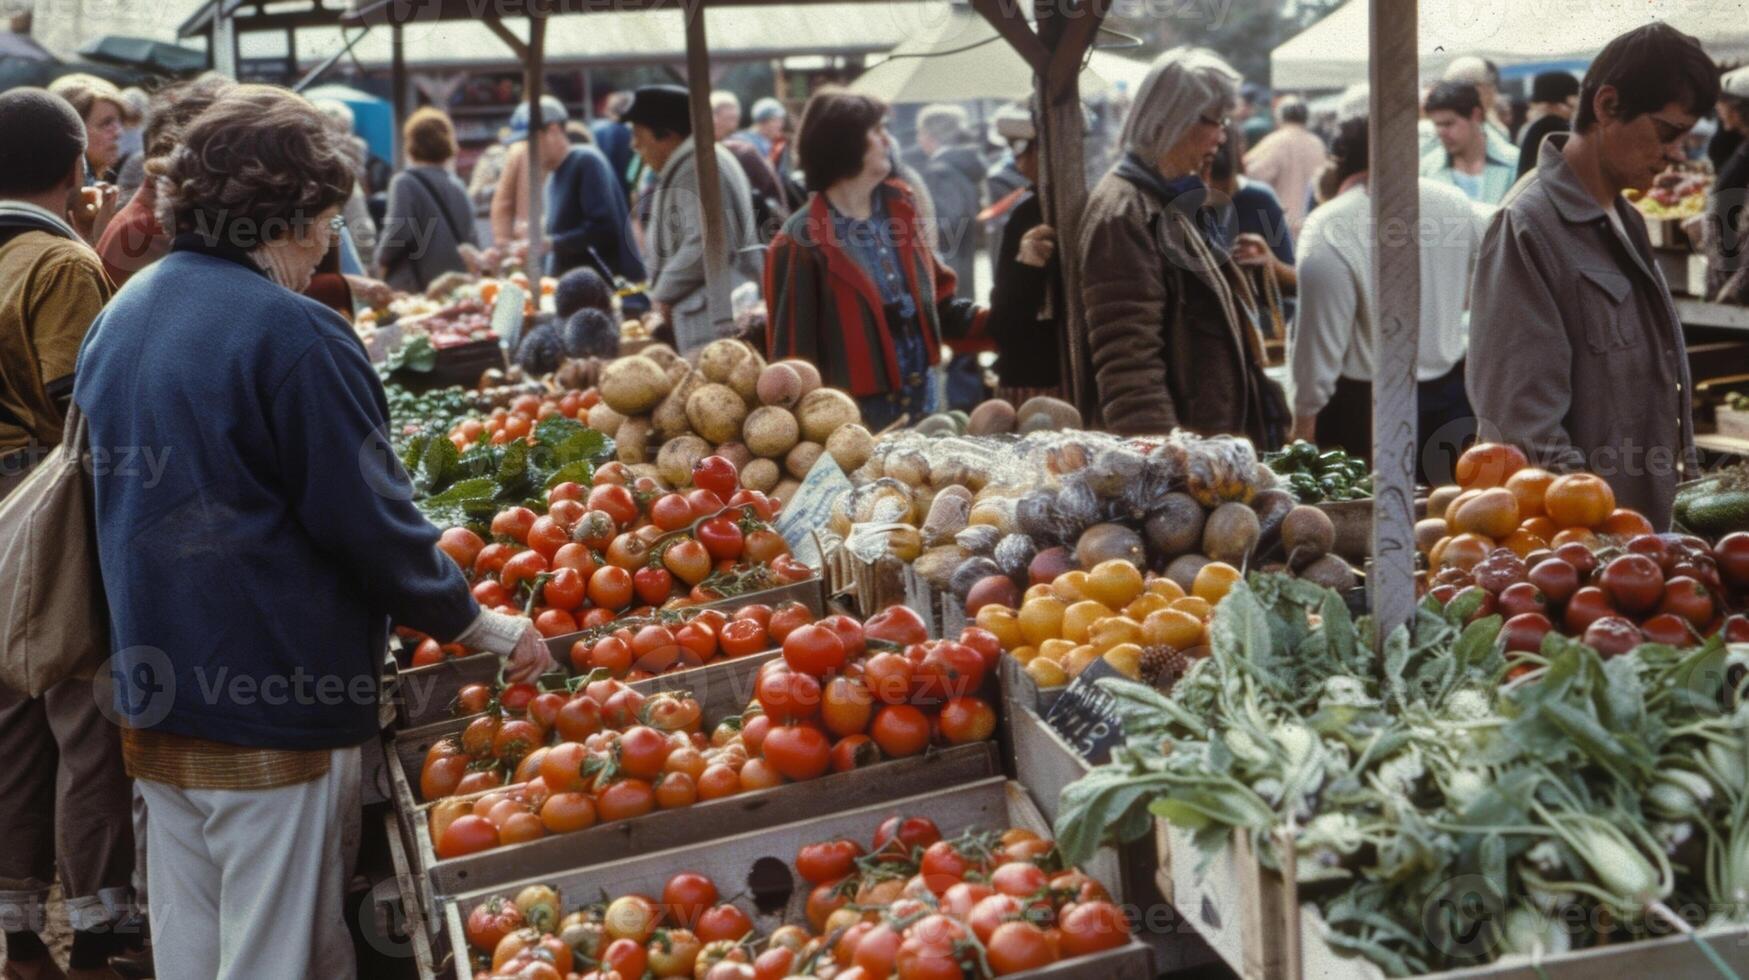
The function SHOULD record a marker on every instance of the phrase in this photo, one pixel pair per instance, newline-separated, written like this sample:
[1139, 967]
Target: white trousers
[251, 885]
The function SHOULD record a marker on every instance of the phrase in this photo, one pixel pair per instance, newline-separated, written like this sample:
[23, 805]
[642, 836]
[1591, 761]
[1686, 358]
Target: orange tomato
[1523, 542]
[1624, 522]
[1540, 526]
[1579, 500]
[1464, 551]
[1529, 486]
[1489, 464]
[1582, 535]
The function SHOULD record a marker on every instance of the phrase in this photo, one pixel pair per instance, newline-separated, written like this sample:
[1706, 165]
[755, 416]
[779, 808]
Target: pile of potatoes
[773, 421]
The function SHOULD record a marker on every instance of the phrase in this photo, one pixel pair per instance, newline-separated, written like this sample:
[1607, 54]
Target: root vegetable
[1231, 533]
[825, 411]
[779, 385]
[851, 446]
[603, 419]
[992, 417]
[677, 456]
[802, 458]
[786, 490]
[808, 373]
[770, 432]
[1307, 534]
[634, 385]
[737, 453]
[719, 357]
[761, 475]
[633, 440]
[669, 418]
[715, 412]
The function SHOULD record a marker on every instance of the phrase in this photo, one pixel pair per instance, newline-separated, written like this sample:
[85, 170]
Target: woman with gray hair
[1172, 325]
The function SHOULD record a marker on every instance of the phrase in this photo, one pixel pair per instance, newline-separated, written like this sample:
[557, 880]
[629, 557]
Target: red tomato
[698, 642]
[467, 834]
[897, 624]
[1556, 578]
[596, 529]
[722, 922]
[654, 649]
[579, 718]
[491, 559]
[1092, 927]
[1016, 947]
[1732, 554]
[1633, 582]
[653, 584]
[704, 503]
[565, 589]
[900, 730]
[491, 593]
[1580, 557]
[761, 504]
[1689, 599]
[625, 799]
[854, 752]
[547, 536]
[688, 560]
[513, 523]
[967, 719]
[888, 676]
[816, 650]
[827, 861]
[961, 897]
[616, 501]
[758, 612]
[1669, 629]
[850, 632]
[743, 636]
[525, 567]
[985, 643]
[1524, 632]
[555, 622]
[721, 537]
[788, 695]
[1612, 635]
[577, 558]
[461, 545]
[611, 587]
[1522, 597]
[797, 751]
[687, 895]
[491, 921]
[568, 490]
[845, 705]
[943, 866]
[716, 474]
[427, 653]
[1587, 606]
[670, 512]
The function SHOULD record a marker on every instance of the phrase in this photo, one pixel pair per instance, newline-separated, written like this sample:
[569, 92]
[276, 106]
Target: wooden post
[398, 89]
[1397, 306]
[710, 188]
[1067, 32]
[537, 176]
[224, 43]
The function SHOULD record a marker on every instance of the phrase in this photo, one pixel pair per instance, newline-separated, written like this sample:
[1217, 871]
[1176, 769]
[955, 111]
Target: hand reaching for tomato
[530, 658]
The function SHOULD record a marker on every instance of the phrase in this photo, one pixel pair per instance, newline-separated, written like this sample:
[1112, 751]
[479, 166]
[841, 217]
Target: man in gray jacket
[1576, 351]
[674, 241]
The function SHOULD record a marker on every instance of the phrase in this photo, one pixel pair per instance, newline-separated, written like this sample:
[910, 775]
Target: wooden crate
[1234, 904]
[768, 854]
[423, 694]
[1733, 423]
[875, 585]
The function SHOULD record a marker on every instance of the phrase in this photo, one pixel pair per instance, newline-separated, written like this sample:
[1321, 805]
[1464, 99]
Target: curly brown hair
[429, 135]
[259, 163]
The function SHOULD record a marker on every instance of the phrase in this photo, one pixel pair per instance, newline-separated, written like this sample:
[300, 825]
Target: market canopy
[1333, 52]
[959, 59]
[145, 53]
[630, 37]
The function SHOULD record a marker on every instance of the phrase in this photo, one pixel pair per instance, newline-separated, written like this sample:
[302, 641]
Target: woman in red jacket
[851, 283]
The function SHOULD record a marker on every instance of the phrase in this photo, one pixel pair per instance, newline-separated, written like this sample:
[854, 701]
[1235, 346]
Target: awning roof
[1333, 52]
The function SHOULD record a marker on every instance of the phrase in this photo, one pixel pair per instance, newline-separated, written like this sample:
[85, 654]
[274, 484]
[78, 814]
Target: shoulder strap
[437, 198]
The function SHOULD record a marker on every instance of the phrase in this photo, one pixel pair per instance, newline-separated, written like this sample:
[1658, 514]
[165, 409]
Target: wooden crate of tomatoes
[957, 883]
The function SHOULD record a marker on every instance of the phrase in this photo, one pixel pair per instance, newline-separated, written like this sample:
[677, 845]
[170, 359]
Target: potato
[824, 411]
[779, 385]
[634, 385]
[633, 440]
[802, 458]
[761, 475]
[677, 456]
[992, 417]
[669, 419]
[851, 446]
[786, 490]
[735, 452]
[603, 419]
[719, 357]
[807, 372]
[646, 469]
[770, 431]
[715, 412]
[744, 378]
[662, 354]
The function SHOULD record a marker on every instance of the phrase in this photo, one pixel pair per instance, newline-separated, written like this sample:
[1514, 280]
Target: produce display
[1147, 629]
[1717, 504]
[1314, 477]
[842, 696]
[999, 417]
[1581, 802]
[986, 903]
[1675, 194]
[1554, 554]
[996, 517]
[773, 421]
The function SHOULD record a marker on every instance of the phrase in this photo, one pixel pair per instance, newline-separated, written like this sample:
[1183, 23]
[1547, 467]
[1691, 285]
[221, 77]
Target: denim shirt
[870, 243]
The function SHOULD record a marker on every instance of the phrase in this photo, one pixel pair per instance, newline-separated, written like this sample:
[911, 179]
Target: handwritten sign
[811, 508]
[507, 314]
[1083, 714]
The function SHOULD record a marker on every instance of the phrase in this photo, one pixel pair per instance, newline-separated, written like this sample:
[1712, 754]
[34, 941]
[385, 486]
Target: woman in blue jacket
[255, 536]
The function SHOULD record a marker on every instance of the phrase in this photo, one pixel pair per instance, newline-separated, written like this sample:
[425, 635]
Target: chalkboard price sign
[1084, 715]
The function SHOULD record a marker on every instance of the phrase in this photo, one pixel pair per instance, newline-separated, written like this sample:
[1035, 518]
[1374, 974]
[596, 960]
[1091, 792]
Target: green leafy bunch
[1438, 803]
[467, 487]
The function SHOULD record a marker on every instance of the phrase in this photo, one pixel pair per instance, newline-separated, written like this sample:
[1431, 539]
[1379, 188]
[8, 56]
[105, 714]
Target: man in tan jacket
[1576, 351]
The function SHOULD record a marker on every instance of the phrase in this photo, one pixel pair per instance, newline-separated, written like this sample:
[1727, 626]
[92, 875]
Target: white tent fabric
[1333, 52]
[631, 37]
[960, 59]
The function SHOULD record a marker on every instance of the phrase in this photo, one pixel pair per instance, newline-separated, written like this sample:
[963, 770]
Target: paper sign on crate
[811, 507]
[507, 314]
[1084, 715]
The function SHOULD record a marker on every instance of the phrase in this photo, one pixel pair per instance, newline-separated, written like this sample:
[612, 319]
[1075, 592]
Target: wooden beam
[1081, 26]
[398, 90]
[1010, 21]
[537, 175]
[511, 41]
[1063, 187]
[710, 187]
[1397, 309]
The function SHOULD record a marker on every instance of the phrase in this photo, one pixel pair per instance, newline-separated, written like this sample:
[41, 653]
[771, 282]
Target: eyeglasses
[1019, 147]
[337, 224]
[1221, 123]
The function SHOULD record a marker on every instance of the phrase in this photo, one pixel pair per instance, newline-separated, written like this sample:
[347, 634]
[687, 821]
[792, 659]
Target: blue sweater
[589, 210]
[256, 544]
